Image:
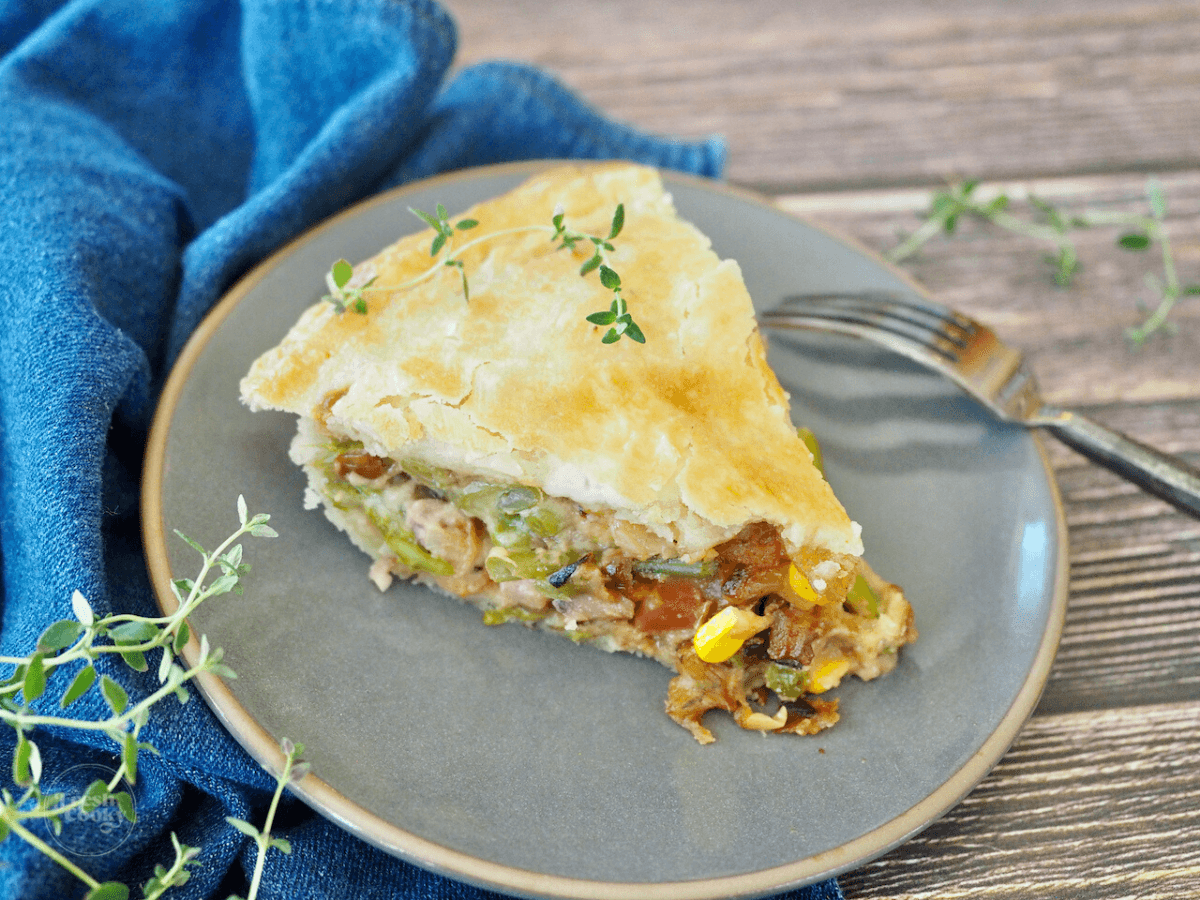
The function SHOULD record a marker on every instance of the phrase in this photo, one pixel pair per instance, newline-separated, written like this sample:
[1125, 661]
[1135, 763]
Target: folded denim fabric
[153, 151]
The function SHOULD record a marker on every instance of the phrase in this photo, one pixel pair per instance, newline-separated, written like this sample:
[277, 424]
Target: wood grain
[857, 93]
[1085, 805]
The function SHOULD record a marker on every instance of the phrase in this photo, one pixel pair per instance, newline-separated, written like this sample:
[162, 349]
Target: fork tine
[906, 307]
[960, 348]
[927, 324]
[914, 304]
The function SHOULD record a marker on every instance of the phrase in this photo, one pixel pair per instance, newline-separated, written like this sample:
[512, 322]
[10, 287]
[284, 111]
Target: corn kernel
[828, 675]
[800, 584]
[803, 589]
[723, 635]
[757, 721]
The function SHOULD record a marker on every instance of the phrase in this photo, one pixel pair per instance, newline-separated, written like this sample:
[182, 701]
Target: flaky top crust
[688, 433]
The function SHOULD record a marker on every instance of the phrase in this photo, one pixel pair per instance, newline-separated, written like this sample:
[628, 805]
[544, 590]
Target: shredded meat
[700, 687]
[523, 593]
[361, 464]
[793, 631]
[753, 564]
[587, 607]
[447, 533]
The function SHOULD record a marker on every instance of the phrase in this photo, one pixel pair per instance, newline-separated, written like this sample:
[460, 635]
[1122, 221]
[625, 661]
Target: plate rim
[455, 864]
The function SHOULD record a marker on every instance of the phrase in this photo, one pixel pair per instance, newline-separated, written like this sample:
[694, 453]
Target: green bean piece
[510, 532]
[479, 499]
[518, 498]
[862, 599]
[657, 567]
[810, 441]
[788, 683]
[430, 476]
[510, 614]
[500, 568]
[404, 544]
[543, 521]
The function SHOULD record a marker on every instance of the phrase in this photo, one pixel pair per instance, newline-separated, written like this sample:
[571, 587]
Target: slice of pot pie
[558, 407]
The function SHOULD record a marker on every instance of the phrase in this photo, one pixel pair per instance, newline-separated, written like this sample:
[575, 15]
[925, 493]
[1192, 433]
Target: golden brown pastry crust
[688, 434]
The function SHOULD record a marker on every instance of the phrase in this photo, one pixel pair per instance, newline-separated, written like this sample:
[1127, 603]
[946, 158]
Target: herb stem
[1139, 232]
[264, 837]
[168, 878]
[113, 723]
[448, 254]
[72, 639]
[1020, 226]
[1169, 273]
[14, 824]
[1155, 231]
[49, 813]
[928, 230]
[193, 598]
[932, 227]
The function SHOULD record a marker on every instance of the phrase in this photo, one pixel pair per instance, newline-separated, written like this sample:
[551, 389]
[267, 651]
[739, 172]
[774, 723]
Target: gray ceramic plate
[519, 761]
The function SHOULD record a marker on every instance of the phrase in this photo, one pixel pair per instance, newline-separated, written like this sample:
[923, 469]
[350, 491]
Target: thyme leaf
[442, 248]
[342, 296]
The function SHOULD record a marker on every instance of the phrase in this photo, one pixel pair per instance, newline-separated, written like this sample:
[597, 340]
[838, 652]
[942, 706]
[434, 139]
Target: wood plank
[1085, 806]
[1132, 633]
[860, 93]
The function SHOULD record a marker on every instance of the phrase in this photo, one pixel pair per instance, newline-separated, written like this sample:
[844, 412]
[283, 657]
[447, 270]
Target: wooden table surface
[852, 114]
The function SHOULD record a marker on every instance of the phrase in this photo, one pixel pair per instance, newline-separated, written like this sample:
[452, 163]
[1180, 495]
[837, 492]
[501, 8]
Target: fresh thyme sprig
[174, 875]
[443, 233]
[1137, 232]
[570, 239]
[84, 640]
[617, 316]
[341, 296]
[293, 771]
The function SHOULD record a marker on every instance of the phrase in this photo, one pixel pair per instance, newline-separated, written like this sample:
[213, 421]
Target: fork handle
[1166, 477]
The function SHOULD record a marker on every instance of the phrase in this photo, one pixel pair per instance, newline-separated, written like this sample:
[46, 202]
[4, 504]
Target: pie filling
[798, 625]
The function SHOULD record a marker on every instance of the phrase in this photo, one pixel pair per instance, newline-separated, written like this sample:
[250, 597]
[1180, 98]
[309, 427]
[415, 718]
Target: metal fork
[970, 355]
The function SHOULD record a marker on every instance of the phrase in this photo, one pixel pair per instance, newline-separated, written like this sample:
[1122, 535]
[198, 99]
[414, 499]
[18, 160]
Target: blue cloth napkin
[151, 152]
